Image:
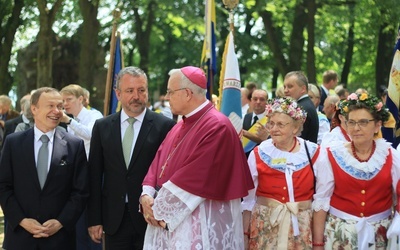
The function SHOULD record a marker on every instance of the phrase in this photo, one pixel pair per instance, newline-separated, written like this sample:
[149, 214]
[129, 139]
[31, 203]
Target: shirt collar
[198, 108]
[325, 89]
[302, 97]
[139, 118]
[39, 134]
[259, 115]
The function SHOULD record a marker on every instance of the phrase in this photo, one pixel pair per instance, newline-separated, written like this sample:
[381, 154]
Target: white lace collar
[278, 159]
[363, 170]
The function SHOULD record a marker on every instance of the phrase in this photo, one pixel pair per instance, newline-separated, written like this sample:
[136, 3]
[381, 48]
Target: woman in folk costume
[355, 182]
[277, 213]
[339, 128]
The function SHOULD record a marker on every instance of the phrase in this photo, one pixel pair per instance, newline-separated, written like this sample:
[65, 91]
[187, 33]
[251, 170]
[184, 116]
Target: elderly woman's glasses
[279, 125]
[362, 123]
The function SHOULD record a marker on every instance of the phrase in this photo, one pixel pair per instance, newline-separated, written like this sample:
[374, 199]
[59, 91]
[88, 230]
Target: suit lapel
[28, 146]
[60, 151]
[115, 139]
[143, 133]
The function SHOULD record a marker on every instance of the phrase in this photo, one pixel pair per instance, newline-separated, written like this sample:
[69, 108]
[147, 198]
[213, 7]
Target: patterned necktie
[42, 160]
[127, 141]
[255, 119]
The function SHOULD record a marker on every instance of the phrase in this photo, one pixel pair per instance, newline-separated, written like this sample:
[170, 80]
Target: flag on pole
[118, 65]
[114, 66]
[393, 99]
[209, 55]
[111, 104]
[230, 96]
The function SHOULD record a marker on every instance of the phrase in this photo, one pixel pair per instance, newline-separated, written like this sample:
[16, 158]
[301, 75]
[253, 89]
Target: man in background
[10, 125]
[296, 86]
[6, 113]
[80, 124]
[258, 103]
[329, 81]
[330, 106]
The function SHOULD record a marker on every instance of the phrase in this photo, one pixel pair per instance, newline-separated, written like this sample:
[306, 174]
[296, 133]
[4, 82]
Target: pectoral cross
[162, 171]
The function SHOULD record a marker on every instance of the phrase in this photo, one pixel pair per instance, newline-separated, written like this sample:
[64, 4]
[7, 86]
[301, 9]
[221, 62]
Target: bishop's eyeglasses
[172, 91]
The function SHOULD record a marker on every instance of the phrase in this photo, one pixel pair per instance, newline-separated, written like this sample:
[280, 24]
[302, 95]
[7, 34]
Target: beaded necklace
[294, 145]
[353, 150]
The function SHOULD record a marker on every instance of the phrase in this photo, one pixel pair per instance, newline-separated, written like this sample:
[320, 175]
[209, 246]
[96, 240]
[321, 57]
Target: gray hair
[301, 78]
[186, 83]
[133, 71]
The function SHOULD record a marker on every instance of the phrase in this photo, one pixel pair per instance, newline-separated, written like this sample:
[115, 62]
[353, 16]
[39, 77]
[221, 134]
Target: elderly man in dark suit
[122, 148]
[43, 180]
[10, 125]
[296, 86]
[258, 102]
[6, 114]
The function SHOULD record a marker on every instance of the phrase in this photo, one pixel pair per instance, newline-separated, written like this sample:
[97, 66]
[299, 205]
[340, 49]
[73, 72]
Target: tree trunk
[273, 41]
[297, 37]
[311, 70]
[89, 42]
[384, 55]
[45, 43]
[275, 75]
[143, 32]
[350, 47]
[7, 39]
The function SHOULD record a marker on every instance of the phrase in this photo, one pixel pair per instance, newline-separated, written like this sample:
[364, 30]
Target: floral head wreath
[286, 106]
[373, 103]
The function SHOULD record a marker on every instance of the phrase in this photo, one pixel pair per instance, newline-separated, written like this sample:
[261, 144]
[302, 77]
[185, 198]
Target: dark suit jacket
[311, 125]
[247, 121]
[10, 125]
[110, 180]
[63, 196]
[322, 100]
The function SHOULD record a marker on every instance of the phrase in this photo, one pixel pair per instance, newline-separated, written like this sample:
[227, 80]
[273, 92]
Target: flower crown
[373, 103]
[287, 106]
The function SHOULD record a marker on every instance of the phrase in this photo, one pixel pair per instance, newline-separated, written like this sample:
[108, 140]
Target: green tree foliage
[10, 16]
[355, 38]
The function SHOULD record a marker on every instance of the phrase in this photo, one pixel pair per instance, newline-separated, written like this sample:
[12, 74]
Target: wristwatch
[69, 122]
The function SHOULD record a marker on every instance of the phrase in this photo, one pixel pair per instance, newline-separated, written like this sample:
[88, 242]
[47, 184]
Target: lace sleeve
[174, 204]
[321, 204]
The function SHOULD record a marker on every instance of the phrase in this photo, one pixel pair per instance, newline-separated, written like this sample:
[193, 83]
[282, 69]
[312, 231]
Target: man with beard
[122, 148]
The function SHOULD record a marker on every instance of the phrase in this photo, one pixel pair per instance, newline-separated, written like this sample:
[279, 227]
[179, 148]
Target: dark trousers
[83, 240]
[126, 238]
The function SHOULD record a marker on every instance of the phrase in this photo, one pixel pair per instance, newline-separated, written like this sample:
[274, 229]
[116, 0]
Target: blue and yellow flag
[209, 54]
[118, 65]
[393, 99]
[231, 104]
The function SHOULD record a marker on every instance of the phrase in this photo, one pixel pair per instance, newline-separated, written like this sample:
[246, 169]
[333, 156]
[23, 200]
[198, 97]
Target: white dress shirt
[82, 126]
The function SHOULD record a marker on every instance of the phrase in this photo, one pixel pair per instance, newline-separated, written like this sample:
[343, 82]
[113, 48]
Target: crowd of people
[316, 171]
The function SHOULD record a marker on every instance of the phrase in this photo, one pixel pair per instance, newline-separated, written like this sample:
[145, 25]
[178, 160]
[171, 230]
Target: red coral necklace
[294, 145]
[353, 150]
